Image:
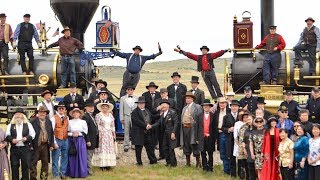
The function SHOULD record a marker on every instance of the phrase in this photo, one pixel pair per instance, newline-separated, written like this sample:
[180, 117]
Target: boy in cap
[292, 105]
[6, 35]
[24, 33]
[196, 91]
[274, 44]
[309, 40]
[248, 102]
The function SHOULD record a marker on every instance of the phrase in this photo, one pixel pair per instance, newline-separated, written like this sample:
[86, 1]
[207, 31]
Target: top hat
[26, 15]
[164, 101]
[19, 110]
[46, 92]
[207, 102]
[101, 81]
[260, 100]
[89, 103]
[60, 104]
[222, 100]
[103, 90]
[130, 86]
[189, 94]
[65, 29]
[2, 15]
[137, 47]
[272, 27]
[175, 74]
[247, 88]
[194, 79]
[162, 90]
[73, 85]
[141, 99]
[152, 84]
[204, 47]
[42, 109]
[309, 19]
[235, 102]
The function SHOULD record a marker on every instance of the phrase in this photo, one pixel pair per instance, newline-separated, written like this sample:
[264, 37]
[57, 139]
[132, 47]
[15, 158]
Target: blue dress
[301, 150]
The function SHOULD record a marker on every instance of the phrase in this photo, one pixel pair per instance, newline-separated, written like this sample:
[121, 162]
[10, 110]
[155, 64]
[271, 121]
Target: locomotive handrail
[16, 76]
[254, 49]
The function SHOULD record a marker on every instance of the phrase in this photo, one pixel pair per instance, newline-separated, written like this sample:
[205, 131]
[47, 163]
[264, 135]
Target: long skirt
[77, 164]
[105, 155]
[4, 163]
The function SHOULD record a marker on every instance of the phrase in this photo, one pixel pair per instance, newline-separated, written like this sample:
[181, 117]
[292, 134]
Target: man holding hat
[309, 40]
[189, 130]
[6, 35]
[249, 102]
[60, 123]
[206, 67]
[127, 105]
[135, 62]
[208, 132]
[313, 105]
[99, 84]
[42, 143]
[104, 98]
[261, 105]
[68, 46]
[73, 99]
[292, 105]
[176, 91]
[198, 93]
[24, 33]
[47, 102]
[141, 135]
[284, 122]
[274, 44]
[20, 134]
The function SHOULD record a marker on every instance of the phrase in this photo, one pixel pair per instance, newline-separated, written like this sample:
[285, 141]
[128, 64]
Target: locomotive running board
[16, 76]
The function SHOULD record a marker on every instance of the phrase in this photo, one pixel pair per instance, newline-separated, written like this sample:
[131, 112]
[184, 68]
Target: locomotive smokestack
[76, 14]
[267, 16]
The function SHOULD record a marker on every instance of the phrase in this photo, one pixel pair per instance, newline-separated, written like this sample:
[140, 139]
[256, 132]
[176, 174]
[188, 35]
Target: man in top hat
[219, 115]
[292, 105]
[309, 40]
[230, 96]
[99, 84]
[141, 135]
[43, 143]
[127, 105]
[249, 102]
[47, 102]
[208, 132]
[93, 135]
[176, 91]
[189, 128]
[20, 134]
[198, 93]
[73, 99]
[168, 123]
[60, 122]
[284, 122]
[24, 33]
[206, 67]
[274, 44]
[261, 105]
[68, 46]
[228, 128]
[104, 98]
[6, 35]
[135, 62]
[313, 105]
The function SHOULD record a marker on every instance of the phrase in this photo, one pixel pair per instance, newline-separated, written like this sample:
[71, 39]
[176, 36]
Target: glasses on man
[61, 108]
[284, 111]
[260, 121]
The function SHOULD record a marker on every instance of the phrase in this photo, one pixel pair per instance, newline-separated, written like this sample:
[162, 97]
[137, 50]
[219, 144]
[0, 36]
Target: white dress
[237, 127]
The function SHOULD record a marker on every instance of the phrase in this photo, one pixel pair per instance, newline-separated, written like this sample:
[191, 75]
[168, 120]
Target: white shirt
[206, 115]
[236, 129]
[314, 150]
[165, 113]
[77, 125]
[194, 90]
[19, 128]
[221, 115]
[176, 86]
[49, 106]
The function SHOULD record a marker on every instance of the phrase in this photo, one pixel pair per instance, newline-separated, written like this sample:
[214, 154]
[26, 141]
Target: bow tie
[130, 96]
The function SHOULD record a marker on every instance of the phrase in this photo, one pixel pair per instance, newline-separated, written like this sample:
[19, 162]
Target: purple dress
[4, 163]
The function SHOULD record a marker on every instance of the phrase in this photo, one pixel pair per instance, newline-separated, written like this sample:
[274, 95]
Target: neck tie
[73, 97]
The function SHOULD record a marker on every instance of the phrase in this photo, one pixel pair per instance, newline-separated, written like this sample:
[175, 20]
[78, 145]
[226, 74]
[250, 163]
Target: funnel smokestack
[267, 16]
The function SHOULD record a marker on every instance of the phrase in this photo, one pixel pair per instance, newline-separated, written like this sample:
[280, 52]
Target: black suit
[267, 114]
[67, 100]
[149, 104]
[172, 106]
[199, 94]
[94, 95]
[179, 93]
[142, 137]
[92, 135]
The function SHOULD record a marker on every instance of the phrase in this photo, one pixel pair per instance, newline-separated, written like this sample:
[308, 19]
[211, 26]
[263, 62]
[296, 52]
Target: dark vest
[272, 43]
[209, 59]
[13, 131]
[26, 34]
[309, 37]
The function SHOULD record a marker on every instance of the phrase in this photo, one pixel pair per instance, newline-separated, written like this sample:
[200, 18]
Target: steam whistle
[43, 34]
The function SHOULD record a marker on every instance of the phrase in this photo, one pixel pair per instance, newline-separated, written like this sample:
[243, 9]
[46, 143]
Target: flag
[56, 33]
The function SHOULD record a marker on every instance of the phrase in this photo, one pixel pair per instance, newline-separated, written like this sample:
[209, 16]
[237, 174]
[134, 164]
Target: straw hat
[74, 110]
[99, 106]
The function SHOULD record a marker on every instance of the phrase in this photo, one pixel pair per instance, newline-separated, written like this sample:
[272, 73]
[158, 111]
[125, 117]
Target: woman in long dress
[77, 131]
[4, 163]
[105, 156]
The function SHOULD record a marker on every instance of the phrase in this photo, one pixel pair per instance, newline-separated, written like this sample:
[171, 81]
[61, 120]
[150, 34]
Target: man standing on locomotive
[206, 67]
[274, 43]
[5, 37]
[68, 46]
[309, 40]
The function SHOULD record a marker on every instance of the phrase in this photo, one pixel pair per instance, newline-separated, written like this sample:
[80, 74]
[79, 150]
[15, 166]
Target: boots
[188, 160]
[198, 164]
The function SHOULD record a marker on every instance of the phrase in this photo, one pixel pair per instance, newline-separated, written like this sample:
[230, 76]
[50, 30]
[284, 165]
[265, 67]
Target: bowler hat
[309, 19]
[235, 102]
[207, 102]
[175, 74]
[141, 99]
[189, 94]
[2, 15]
[42, 109]
[137, 47]
[60, 104]
[103, 90]
[272, 27]
[101, 81]
[260, 100]
[164, 101]
[247, 88]
[162, 90]
[73, 85]
[65, 29]
[204, 47]
[26, 15]
[194, 79]
[19, 110]
[46, 92]
[152, 84]
[130, 86]
[89, 102]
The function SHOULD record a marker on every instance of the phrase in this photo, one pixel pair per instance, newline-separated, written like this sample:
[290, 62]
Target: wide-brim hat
[103, 90]
[230, 93]
[27, 15]
[309, 19]
[42, 109]
[175, 74]
[19, 110]
[204, 47]
[164, 101]
[60, 104]
[207, 102]
[99, 106]
[65, 29]
[222, 100]
[137, 47]
[46, 92]
[74, 110]
[261, 100]
[235, 102]
[194, 79]
[152, 84]
[141, 99]
[2, 15]
[101, 81]
[189, 94]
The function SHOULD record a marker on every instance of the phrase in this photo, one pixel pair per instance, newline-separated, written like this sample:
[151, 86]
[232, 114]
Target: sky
[187, 23]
